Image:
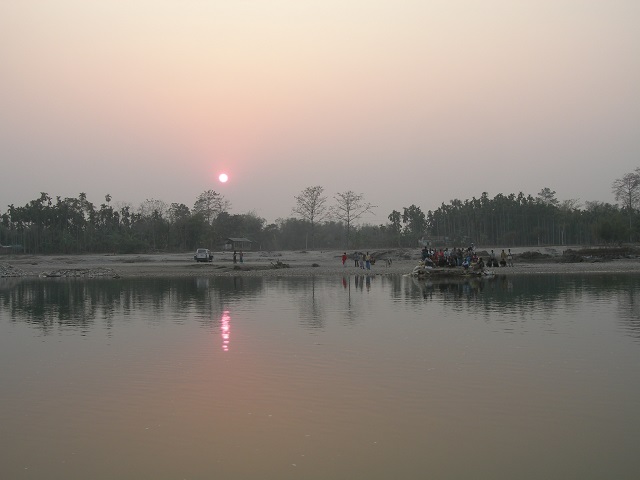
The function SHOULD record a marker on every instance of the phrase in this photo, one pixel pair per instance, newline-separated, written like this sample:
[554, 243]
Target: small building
[425, 241]
[238, 244]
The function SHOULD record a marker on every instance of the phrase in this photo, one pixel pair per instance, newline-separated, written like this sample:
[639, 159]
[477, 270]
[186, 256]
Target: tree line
[76, 225]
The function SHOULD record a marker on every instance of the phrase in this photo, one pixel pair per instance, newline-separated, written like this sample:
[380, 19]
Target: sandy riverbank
[266, 263]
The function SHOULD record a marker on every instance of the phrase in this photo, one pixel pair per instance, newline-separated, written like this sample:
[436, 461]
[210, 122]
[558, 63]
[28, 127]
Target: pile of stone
[534, 256]
[279, 264]
[7, 270]
[82, 273]
[600, 254]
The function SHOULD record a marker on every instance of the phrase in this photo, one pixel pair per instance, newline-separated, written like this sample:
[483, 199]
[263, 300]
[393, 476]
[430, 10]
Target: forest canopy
[76, 225]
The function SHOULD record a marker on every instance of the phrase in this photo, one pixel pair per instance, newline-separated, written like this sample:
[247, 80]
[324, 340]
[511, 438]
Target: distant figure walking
[344, 258]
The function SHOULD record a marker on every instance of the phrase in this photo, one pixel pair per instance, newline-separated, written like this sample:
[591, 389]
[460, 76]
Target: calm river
[526, 377]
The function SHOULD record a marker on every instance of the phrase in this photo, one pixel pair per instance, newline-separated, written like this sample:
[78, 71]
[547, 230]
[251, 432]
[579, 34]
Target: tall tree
[311, 206]
[178, 211]
[350, 207]
[548, 197]
[210, 204]
[395, 218]
[415, 220]
[566, 210]
[179, 216]
[153, 214]
[627, 192]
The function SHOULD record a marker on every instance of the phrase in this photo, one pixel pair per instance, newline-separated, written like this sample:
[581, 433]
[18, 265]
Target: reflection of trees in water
[336, 293]
[515, 296]
[311, 309]
[60, 303]
[629, 307]
[349, 304]
[71, 303]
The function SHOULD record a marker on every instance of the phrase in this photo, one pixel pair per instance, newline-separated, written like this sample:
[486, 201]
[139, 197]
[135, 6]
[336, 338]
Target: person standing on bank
[234, 257]
[344, 258]
[367, 261]
[492, 259]
[241, 257]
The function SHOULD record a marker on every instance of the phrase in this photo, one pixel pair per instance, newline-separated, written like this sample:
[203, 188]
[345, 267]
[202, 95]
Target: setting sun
[223, 177]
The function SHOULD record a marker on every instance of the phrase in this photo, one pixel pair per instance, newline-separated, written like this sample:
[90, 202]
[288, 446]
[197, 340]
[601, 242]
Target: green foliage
[415, 221]
[75, 225]
[523, 221]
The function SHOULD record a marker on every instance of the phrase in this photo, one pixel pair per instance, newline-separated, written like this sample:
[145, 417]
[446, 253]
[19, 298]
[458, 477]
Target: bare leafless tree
[151, 207]
[350, 207]
[311, 206]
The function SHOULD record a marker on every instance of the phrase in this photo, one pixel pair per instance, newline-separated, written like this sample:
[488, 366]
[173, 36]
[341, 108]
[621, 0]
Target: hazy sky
[406, 101]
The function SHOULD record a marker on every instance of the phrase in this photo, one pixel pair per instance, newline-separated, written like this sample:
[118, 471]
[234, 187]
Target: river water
[320, 378]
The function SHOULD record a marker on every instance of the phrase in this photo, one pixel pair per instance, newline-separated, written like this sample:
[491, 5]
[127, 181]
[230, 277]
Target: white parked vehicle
[203, 255]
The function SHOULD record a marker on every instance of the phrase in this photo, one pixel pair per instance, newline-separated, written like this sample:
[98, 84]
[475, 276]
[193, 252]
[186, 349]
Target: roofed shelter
[238, 244]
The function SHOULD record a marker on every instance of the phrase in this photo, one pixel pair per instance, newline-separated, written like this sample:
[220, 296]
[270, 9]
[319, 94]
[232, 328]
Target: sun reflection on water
[225, 330]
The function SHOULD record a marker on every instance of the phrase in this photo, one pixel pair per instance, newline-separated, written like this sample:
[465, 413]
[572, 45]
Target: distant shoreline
[265, 264]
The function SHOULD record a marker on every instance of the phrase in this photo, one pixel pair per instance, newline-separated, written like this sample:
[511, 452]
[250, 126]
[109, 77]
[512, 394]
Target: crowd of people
[361, 260]
[466, 258]
[443, 257]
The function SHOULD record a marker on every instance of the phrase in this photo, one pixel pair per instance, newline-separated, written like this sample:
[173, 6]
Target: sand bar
[281, 263]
